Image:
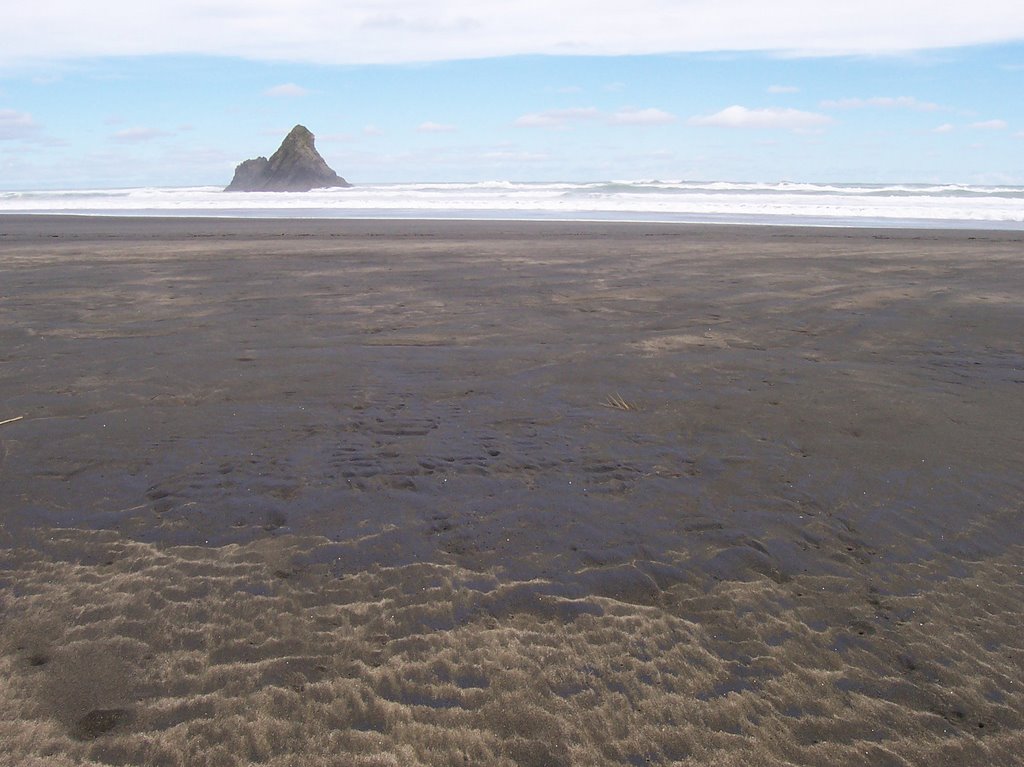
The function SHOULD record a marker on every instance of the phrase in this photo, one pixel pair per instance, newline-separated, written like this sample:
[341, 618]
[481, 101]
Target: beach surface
[310, 493]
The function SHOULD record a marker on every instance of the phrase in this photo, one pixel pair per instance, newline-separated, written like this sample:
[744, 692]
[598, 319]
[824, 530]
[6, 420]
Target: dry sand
[402, 493]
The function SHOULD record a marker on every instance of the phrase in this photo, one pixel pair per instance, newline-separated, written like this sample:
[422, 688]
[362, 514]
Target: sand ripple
[119, 652]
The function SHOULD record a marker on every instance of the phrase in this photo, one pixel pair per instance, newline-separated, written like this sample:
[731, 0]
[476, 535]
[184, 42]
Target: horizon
[856, 93]
[822, 183]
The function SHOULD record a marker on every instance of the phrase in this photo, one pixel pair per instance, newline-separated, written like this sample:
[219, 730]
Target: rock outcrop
[295, 167]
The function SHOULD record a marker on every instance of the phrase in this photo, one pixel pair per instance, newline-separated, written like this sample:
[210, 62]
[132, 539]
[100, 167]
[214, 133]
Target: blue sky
[178, 93]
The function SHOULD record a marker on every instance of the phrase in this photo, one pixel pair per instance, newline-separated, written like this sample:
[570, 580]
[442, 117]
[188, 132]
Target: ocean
[891, 205]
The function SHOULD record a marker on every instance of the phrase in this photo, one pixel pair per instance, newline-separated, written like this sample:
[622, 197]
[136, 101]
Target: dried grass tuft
[617, 402]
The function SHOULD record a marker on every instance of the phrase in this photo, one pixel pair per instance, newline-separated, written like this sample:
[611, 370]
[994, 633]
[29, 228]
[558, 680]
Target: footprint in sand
[99, 722]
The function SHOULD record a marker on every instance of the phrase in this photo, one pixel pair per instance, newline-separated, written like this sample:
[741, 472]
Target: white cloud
[991, 125]
[138, 135]
[433, 127]
[782, 89]
[16, 125]
[740, 117]
[883, 102]
[944, 128]
[391, 31]
[648, 116]
[288, 90]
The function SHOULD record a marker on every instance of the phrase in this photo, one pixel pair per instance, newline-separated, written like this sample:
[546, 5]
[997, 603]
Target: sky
[112, 94]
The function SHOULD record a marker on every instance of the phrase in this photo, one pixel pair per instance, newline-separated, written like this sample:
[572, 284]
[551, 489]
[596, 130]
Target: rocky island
[295, 167]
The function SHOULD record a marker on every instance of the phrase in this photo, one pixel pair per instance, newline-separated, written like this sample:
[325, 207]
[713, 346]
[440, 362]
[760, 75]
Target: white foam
[648, 200]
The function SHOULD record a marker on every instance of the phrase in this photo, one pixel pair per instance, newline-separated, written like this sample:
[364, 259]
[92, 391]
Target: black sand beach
[438, 493]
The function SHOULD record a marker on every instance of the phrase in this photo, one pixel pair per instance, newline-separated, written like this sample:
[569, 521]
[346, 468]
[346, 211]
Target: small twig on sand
[618, 403]
[11, 420]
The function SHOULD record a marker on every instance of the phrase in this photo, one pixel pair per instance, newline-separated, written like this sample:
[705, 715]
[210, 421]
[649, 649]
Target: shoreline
[21, 224]
[430, 492]
[685, 220]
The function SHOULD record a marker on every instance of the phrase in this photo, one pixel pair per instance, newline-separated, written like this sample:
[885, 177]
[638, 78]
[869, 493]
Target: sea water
[900, 205]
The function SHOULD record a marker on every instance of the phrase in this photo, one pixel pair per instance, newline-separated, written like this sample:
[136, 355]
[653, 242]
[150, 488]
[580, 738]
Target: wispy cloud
[649, 116]
[990, 125]
[773, 117]
[17, 125]
[286, 90]
[400, 20]
[138, 135]
[433, 127]
[514, 156]
[881, 102]
[944, 128]
[563, 118]
[556, 118]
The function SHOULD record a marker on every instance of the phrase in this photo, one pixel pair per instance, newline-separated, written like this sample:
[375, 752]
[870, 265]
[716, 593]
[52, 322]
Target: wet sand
[403, 493]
